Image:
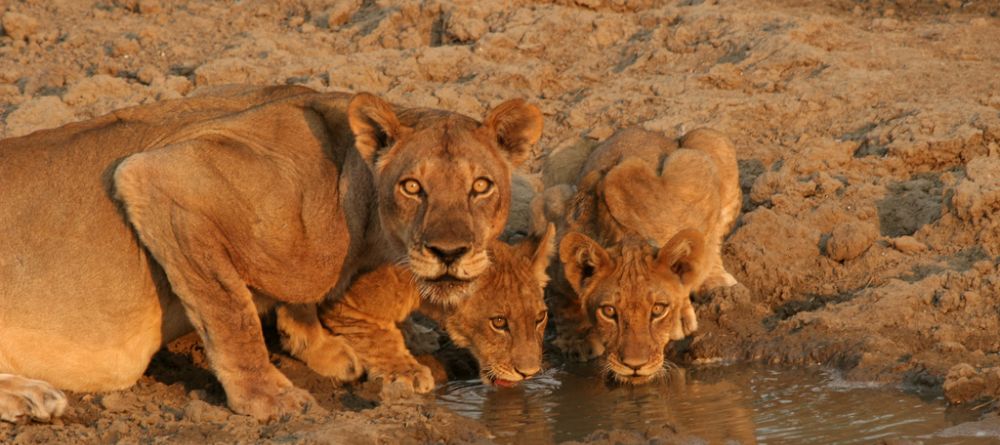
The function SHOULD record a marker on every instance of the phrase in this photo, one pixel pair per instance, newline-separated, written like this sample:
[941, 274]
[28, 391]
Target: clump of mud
[868, 136]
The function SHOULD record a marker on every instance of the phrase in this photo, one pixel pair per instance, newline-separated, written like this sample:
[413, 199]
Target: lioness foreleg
[175, 219]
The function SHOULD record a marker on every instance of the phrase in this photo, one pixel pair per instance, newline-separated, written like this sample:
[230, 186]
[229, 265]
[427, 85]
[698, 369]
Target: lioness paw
[22, 399]
[271, 402]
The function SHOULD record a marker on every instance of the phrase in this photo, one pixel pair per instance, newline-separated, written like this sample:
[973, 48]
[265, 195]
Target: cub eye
[609, 312]
[499, 323]
[541, 317]
[659, 309]
[481, 185]
[410, 187]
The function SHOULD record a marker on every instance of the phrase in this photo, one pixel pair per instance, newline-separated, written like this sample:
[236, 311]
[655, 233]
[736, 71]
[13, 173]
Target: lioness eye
[410, 186]
[499, 323]
[608, 311]
[659, 309]
[481, 185]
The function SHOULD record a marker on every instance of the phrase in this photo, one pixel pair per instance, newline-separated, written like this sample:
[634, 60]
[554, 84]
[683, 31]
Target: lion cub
[627, 297]
[501, 321]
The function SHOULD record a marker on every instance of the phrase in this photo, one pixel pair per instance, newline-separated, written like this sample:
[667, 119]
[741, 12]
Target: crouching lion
[127, 231]
[501, 321]
[628, 296]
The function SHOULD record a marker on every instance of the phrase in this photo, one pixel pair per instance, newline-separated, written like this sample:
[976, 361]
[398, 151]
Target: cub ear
[374, 124]
[516, 125]
[582, 259]
[684, 256]
[544, 249]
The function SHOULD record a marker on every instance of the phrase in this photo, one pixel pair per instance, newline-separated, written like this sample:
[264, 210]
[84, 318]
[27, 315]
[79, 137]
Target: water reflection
[727, 404]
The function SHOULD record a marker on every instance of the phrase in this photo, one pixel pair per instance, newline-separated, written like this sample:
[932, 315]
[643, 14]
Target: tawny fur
[636, 192]
[369, 315]
[126, 231]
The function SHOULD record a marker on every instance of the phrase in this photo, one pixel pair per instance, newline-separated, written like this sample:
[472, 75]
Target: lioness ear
[582, 258]
[517, 125]
[374, 124]
[684, 256]
[543, 253]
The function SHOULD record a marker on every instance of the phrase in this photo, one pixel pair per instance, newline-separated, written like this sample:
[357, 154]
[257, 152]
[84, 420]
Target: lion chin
[446, 289]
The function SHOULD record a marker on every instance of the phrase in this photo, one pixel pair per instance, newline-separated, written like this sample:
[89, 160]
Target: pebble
[908, 244]
[19, 26]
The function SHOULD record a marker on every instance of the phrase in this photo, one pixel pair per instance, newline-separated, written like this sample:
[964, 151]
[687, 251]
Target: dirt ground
[868, 135]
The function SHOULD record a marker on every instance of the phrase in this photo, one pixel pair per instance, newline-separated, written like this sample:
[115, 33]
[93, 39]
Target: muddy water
[745, 404]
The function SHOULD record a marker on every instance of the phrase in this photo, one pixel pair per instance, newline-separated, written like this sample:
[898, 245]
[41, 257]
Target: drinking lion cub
[501, 321]
[628, 296]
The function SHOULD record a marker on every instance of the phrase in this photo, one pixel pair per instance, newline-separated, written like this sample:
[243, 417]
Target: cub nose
[527, 371]
[446, 254]
[635, 363]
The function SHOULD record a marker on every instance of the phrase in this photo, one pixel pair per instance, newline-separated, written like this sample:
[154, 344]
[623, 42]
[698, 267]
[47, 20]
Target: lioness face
[443, 184]
[503, 321]
[637, 298]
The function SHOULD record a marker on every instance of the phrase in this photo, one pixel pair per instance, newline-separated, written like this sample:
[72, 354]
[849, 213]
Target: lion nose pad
[526, 372]
[635, 363]
[447, 255]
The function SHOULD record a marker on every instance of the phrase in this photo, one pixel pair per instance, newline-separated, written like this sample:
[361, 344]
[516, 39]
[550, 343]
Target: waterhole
[745, 404]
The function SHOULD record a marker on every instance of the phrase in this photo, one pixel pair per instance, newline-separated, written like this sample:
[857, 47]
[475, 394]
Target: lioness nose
[527, 371]
[447, 255]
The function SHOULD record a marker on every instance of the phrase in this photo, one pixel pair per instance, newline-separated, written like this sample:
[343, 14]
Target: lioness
[124, 232]
[629, 297]
[501, 321]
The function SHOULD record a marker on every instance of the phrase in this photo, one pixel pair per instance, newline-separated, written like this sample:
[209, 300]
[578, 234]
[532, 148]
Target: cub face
[443, 184]
[503, 321]
[636, 297]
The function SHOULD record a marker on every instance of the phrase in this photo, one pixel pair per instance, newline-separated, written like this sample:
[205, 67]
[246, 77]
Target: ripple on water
[748, 404]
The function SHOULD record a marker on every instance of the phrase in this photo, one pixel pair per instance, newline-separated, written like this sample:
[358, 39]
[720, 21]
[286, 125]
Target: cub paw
[271, 401]
[331, 356]
[580, 348]
[22, 399]
[416, 377]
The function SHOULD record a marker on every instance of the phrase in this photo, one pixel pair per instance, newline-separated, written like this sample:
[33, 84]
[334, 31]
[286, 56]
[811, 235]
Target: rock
[148, 75]
[38, 114]
[964, 384]
[199, 411]
[19, 26]
[341, 12]
[850, 240]
[125, 47]
[908, 244]
[149, 6]
[600, 132]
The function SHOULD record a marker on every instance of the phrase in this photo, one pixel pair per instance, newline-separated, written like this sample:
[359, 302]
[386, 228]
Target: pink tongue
[504, 383]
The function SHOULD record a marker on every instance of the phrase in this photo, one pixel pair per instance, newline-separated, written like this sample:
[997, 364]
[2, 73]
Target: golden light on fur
[501, 321]
[642, 231]
[201, 212]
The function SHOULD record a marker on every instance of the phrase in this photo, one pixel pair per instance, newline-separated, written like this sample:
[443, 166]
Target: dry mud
[868, 135]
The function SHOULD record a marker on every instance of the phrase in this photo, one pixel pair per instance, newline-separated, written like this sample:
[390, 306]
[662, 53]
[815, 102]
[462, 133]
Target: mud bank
[868, 137]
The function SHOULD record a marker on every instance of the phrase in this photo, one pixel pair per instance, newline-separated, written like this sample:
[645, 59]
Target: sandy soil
[868, 135]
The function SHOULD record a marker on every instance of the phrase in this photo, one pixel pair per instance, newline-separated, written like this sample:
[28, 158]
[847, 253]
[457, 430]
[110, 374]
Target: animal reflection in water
[566, 403]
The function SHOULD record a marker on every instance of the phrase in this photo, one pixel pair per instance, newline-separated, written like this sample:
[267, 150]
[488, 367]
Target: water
[741, 403]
